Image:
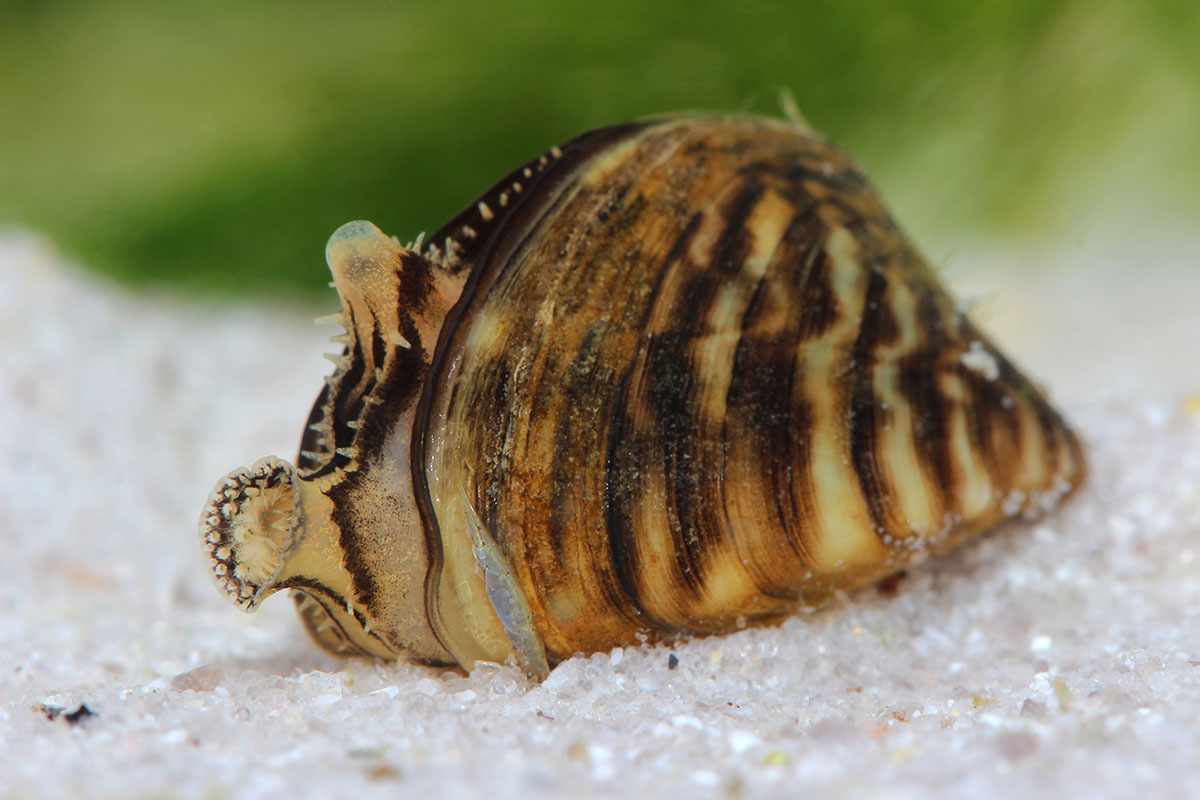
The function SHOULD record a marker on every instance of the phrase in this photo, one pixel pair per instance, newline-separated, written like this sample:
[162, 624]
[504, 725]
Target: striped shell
[675, 377]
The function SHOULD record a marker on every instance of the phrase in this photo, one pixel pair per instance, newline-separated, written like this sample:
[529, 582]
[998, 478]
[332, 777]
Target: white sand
[1059, 659]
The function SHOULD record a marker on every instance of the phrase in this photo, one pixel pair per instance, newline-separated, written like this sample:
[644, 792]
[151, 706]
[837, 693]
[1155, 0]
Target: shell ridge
[565, 158]
[321, 625]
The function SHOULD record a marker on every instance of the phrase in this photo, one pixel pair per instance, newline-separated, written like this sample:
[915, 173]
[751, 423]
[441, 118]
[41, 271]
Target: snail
[672, 378]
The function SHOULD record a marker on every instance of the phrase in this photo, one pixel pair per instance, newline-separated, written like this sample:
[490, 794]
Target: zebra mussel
[671, 378]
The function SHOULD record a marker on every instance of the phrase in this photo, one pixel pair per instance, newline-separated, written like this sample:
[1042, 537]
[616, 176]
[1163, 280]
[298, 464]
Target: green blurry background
[214, 146]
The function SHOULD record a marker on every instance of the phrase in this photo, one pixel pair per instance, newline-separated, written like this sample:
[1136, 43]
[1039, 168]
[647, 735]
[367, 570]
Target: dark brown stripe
[865, 208]
[866, 418]
[980, 405]
[338, 409]
[819, 301]
[733, 245]
[797, 265]
[695, 460]
[689, 306]
[671, 391]
[378, 347]
[994, 411]
[930, 408]
[694, 507]
[761, 403]
[354, 559]
[992, 428]
[414, 283]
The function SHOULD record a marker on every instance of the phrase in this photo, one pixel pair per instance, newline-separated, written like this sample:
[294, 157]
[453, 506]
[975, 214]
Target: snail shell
[675, 377]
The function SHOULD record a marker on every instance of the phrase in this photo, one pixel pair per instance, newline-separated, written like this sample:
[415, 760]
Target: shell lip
[249, 525]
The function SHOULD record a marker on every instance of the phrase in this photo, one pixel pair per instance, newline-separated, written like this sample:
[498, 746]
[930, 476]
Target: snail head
[277, 526]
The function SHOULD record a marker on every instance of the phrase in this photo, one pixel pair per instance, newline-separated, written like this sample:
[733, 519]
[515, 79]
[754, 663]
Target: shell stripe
[867, 418]
[929, 406]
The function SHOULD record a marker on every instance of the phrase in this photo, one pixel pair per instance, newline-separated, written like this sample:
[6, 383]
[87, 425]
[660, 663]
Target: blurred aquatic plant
[215, 146]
